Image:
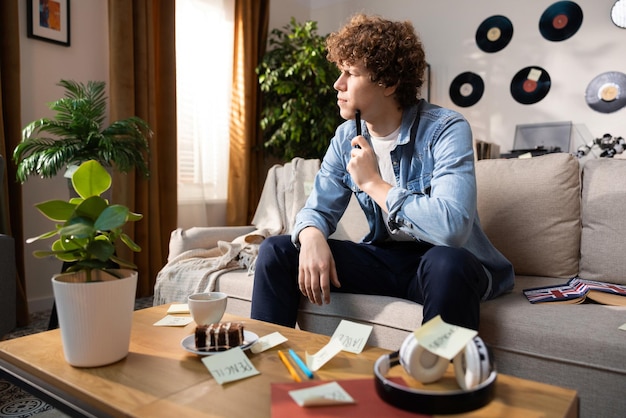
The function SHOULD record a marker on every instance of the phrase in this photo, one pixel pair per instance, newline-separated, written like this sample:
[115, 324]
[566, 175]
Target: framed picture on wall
[49, 20]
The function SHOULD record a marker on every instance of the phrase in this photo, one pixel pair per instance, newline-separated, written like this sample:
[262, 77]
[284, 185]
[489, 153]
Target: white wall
[43, 64]
[448, 29]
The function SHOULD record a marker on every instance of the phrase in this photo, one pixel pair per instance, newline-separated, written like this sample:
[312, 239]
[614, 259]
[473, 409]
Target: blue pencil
[301, 364]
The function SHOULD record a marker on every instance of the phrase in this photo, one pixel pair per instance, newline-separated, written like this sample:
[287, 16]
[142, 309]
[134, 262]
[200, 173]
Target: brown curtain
[10, 136]
[143, 83]
[246, 171]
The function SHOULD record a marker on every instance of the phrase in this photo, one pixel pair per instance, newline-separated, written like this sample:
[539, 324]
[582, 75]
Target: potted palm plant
[95, 296]
[77, 134]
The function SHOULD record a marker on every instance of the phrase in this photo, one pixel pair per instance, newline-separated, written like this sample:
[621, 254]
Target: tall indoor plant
[299, 112]
[95, 297]
[77, 133]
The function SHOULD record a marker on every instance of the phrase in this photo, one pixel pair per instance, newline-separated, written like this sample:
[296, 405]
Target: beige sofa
[554, 220]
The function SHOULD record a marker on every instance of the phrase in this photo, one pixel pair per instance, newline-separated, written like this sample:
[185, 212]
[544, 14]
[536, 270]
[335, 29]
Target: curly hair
[391, 51]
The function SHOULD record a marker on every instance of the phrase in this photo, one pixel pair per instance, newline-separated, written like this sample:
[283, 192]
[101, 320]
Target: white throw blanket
[197, 270]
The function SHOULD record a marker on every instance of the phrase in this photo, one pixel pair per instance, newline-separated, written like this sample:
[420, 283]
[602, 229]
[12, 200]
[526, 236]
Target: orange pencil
[290, 368]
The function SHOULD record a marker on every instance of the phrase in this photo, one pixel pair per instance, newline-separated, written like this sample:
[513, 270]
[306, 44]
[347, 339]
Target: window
[204, 62]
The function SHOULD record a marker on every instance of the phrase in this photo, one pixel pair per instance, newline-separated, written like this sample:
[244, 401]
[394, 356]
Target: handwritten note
[229, 366]
[330, 350]
[173, 321]
[353, 336]
[443, 339]
[268, 341]
[327, 394]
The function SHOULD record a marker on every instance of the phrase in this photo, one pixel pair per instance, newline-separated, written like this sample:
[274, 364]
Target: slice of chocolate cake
[219, 337]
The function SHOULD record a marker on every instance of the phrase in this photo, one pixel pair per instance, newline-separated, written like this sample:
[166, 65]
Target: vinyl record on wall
[466, 89]
[560, 21]
[618, 14]
[494, 33]
[530, 85]
[606, 93]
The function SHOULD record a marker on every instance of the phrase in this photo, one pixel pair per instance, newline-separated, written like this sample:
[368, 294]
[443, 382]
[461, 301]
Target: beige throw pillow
[530, 210]
[603, 241]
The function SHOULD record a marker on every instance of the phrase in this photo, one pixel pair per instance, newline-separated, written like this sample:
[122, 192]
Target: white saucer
[189, 343]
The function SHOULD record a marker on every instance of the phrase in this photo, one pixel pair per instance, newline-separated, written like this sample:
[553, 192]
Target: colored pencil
[290, 368]
[301, 364]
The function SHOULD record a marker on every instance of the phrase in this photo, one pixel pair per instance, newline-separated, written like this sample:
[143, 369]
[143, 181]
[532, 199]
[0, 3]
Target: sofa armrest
[182, 240]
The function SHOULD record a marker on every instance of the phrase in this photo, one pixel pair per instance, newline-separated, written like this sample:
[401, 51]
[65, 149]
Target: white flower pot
[95, 317]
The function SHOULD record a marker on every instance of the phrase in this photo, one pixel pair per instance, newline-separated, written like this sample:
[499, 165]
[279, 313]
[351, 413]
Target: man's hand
[363, 168]
[317, 266]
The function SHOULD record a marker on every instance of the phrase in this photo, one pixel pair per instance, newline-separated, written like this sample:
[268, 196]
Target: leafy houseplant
[88, 226]
[94, 298]
[299, 113]
[76, 134]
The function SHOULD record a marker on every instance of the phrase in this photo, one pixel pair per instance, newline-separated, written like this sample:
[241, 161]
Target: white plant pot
[95, 317]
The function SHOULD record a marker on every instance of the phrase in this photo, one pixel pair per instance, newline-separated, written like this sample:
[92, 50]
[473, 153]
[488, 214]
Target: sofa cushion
[603, 203]
[530, 210]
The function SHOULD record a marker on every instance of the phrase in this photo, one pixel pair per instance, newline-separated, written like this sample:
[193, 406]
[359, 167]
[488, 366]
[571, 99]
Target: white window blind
[204, 56]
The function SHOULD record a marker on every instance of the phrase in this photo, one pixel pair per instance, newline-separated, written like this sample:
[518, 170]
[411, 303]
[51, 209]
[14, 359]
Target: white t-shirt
[383, 147]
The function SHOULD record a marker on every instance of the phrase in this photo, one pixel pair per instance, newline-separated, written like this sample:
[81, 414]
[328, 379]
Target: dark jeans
[446, 281]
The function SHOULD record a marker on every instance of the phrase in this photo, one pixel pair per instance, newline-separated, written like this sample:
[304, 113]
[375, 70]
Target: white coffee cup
[207, 308]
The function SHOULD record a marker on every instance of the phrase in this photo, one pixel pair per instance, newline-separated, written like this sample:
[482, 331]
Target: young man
[412, 170]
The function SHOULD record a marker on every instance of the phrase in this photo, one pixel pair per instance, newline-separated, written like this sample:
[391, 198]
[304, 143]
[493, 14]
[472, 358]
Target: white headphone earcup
[420, 363]
[471, 366]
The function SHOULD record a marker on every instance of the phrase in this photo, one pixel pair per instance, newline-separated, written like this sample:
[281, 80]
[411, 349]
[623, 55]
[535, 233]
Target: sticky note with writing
[268, 341]
[327, 394]
[353, 336]
[443, 339]
[229, 366]
[173, 321]
[330, 350]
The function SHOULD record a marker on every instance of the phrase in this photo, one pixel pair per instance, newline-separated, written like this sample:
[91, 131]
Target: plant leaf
[56, 210]
[91, 207]
[130, 243]
[101, 249]
[112, 217]
[91, 179]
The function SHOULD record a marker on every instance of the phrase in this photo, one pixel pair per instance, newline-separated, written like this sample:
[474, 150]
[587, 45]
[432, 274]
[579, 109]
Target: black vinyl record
[606, 93]
[560, 21]
[494, 33]
[530, 85]
[466, 89]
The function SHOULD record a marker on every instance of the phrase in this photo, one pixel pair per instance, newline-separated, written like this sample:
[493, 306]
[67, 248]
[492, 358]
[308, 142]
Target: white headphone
[473, 369]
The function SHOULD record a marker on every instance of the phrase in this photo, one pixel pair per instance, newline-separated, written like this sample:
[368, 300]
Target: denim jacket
[434, 199]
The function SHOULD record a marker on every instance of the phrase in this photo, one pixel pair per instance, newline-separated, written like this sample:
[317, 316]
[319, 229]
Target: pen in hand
[301, 364]
[357, 121]
[292, 371]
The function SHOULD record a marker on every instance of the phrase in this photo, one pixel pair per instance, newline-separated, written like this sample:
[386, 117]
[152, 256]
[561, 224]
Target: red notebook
[368, 403]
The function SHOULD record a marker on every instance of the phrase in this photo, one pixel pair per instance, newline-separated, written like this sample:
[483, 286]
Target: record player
[540, 138]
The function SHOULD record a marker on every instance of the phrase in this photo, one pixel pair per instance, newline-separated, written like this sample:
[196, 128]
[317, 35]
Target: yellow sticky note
[353, 336]
[268, 341]
[330, 350]
[230, 365]
[327, 394]
[173, 321]
[443, 339]
[178, 308]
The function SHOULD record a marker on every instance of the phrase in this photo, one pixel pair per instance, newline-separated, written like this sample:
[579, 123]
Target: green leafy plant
[76, 134]
[299, 113]
[88, 227]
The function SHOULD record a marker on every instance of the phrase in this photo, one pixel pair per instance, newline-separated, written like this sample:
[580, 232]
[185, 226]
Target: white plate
[189, 343]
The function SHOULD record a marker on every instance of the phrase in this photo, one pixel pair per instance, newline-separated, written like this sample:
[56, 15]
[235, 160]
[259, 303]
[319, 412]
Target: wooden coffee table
[160, 378]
